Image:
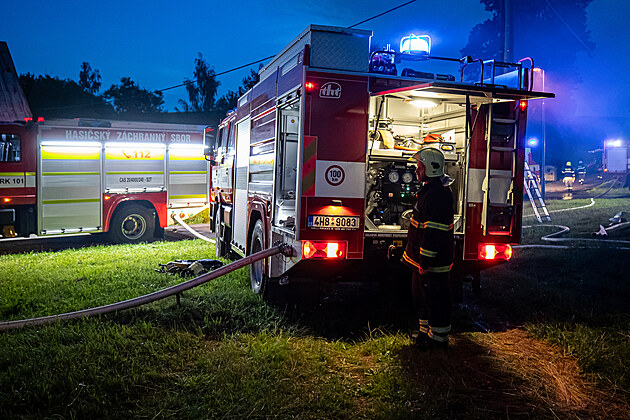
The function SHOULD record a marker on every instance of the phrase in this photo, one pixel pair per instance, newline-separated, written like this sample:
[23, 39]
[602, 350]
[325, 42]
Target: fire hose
[283, 248]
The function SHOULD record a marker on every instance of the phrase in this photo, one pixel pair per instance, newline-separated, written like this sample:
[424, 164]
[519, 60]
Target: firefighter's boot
[421, 341]
[434, 345]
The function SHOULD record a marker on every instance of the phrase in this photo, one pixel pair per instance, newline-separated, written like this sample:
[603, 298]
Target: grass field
[558, 344]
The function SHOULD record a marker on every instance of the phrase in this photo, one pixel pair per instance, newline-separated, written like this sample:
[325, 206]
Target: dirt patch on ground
[550, 376]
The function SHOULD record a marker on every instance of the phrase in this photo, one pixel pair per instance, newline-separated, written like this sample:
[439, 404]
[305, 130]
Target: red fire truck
[317, 155]
[71, 176]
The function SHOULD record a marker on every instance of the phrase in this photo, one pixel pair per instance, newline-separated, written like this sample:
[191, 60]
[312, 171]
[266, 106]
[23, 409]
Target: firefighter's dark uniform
[429, 253]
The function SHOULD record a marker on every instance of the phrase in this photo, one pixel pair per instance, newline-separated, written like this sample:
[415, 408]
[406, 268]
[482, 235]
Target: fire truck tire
[132, 224]
[257, 269]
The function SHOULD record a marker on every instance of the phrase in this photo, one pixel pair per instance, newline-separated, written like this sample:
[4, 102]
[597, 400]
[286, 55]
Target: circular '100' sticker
[335, 175]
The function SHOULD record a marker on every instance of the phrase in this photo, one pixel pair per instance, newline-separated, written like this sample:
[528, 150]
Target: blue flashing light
[532, 142]
[414, 44]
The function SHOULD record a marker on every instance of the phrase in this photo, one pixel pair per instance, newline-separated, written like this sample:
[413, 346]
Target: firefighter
[581, 172]
[568, 175]
[429, 251]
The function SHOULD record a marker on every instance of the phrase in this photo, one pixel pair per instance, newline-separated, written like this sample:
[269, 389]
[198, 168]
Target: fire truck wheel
[257, 269]
[132, 224]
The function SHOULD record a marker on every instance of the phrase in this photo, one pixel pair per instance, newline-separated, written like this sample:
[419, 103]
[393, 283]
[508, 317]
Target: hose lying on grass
[191, 230]
[284, 249]
[563, 229]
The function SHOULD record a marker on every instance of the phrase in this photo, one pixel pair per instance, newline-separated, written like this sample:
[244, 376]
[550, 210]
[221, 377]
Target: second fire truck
[77, 176]
[317, 155]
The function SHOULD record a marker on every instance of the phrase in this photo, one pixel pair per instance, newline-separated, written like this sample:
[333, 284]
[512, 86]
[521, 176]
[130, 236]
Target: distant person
[568, 175]
[581, 172]
[429, 251]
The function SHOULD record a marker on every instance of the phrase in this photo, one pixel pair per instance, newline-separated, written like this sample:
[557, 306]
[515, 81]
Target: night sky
[155, 43]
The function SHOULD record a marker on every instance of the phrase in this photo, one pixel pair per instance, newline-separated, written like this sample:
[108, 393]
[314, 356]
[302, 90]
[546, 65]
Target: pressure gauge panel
[407, 178]
[393, 177]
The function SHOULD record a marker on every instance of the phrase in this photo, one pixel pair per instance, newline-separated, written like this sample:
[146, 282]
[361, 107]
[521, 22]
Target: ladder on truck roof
[498, 184]
[533, 192]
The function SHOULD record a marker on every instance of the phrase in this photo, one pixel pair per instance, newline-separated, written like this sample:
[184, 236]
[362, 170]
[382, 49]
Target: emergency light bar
[414, 44]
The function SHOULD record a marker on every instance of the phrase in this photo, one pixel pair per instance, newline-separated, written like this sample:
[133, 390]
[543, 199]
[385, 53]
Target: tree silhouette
[202, 89]
[51, 97]
[89, 79]
[129, 98]
[229, 100]
[554, 33]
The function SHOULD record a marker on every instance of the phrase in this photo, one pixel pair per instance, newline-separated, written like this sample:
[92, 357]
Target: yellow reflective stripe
[175, 197]
[424, 321]
[442, 269]
[428, 253]
[71, 153]
[72, 201]
[68, 173]
[414, 222]
[438, 226]
[30, 173]
[11, 173]
[409, 260]
[441, 330]
[187, 172]
[423, 330]
[134, 173]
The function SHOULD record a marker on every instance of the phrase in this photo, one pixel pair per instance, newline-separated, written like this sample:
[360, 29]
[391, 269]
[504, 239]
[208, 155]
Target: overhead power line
[244, 65]
[588, 50]
[218, 74]
[381, 14]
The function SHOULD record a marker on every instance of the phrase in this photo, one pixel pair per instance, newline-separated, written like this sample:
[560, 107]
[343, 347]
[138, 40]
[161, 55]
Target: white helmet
[433, 161]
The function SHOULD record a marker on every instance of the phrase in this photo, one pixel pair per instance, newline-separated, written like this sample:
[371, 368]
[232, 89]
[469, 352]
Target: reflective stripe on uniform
[428, 253]
[441, 330]
[441, 269]
[424, 326]
[410, 260]
[437, 337]
[436, 225]
[414, 222]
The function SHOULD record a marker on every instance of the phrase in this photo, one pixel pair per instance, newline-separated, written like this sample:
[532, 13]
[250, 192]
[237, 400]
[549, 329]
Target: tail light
[323, 249]
[495, 252]
[522, 105]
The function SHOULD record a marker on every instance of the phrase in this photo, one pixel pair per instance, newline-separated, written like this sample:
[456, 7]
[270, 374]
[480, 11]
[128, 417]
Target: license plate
[333, 222]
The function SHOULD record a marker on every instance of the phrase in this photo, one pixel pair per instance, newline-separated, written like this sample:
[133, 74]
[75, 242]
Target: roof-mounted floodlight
[414, 44]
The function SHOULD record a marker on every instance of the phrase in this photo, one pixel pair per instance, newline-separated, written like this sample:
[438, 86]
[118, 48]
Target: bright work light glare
[613, 143]
[532, 142]
[423, 103]
[414, 44]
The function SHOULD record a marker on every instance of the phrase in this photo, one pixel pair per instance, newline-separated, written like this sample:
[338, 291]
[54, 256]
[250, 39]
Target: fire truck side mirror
[208, 154]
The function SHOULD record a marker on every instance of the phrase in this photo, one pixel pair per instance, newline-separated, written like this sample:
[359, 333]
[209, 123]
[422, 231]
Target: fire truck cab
[317, 155]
